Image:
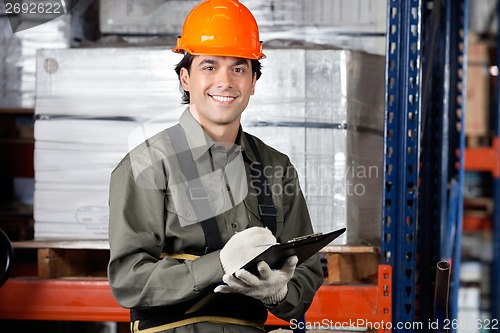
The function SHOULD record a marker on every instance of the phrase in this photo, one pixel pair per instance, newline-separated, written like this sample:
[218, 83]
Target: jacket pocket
[181, 207]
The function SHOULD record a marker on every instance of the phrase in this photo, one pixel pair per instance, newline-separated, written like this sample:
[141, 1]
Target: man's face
[219, 88]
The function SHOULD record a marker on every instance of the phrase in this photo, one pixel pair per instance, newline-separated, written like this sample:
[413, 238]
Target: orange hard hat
[220, 27]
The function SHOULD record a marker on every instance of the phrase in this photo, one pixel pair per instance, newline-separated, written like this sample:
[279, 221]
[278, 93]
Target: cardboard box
[477, 106]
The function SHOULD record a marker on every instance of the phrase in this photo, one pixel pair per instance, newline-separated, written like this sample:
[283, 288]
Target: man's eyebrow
[208, 61]
[240, 62]
[211, 61]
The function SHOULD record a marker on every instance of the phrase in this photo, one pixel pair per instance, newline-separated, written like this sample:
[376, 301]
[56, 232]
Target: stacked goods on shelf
[344, 23]
[474, 302]
[474, 295]
[354, 25]
[329, 116]
[482, 17]
[17, 99]
[477, 108]
[18, 58]
[93, 106]
[138, 17]
[478, 207]
[324, 108]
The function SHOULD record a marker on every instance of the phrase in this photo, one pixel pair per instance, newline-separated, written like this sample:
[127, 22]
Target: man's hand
[270, 286]
[244, 246]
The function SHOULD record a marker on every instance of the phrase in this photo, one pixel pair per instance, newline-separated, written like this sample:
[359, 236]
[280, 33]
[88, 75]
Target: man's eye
[208, 68]
[239, 70]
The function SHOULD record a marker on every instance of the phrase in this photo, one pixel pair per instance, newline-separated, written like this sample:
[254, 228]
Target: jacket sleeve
[308, 276]
[137, 276]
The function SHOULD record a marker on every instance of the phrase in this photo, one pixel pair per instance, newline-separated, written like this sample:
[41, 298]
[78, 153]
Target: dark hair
[188, 60]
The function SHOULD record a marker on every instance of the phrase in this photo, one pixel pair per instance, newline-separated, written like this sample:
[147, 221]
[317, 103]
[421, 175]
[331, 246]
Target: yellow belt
[181, 256]
[134, 326]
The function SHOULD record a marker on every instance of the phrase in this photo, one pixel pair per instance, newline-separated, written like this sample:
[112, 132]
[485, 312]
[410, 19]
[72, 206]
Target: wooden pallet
[67, 259]
[351, 264]
[474, 141]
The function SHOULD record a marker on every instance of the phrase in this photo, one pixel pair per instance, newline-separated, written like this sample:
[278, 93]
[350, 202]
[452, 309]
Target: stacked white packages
[324, 108]
[167, 16]
[93, 106]
[350, 24]
[18, 58]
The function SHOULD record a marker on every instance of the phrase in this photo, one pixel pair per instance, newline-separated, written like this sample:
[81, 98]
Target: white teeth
[223, 98]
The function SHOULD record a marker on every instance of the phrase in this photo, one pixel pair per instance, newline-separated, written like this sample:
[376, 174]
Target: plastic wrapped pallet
[343, 23]
[107, 82]
[72, 173]
[81, 95]
[327, 106]
[330, 118]
[18, 58]
[167, 16]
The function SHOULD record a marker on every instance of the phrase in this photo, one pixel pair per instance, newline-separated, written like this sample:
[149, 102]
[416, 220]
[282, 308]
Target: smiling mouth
[223, 99]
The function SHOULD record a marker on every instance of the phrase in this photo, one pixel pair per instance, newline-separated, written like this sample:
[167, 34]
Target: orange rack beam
[484, 158]
[476, 223]
[350, 304]
[59, 300]
[91, 300]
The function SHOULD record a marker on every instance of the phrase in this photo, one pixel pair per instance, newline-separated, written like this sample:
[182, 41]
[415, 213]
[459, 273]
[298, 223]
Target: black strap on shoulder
[197, 194]
[267, 209]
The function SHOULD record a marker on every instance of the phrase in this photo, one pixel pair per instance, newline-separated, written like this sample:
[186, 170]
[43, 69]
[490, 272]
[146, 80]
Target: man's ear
[184, 77]
[254, 81]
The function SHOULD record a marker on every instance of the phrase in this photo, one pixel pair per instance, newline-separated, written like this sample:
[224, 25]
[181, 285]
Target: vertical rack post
[401, 152]
[495, 267]
[431, 186]
[443, 146]
[459, 23]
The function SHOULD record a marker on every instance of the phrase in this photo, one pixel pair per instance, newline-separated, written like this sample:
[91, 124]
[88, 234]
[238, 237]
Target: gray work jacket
[146, 220]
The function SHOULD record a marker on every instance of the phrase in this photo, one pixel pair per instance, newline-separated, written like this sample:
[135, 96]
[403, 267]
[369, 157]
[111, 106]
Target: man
[191, 205]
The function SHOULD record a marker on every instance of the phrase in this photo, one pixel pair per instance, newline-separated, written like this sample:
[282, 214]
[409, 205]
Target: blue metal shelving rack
[399, 215]
[425, 90]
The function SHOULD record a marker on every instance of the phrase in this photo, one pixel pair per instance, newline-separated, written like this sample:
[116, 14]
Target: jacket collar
[200, 142]
[245, 146]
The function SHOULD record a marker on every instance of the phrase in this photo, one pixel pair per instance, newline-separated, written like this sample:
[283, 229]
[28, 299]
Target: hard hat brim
[222, 52]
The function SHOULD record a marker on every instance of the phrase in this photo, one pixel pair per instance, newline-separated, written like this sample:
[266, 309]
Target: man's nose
[224, 79]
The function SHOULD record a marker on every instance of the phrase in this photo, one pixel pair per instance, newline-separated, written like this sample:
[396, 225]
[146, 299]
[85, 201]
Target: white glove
[270, 286]
[244, 246]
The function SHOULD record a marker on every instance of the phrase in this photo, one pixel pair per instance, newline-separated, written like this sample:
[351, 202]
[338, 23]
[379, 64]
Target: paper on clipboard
[303, 247]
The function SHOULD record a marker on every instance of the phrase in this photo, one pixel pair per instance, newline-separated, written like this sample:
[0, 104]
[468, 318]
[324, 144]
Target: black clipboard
[303, 247]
